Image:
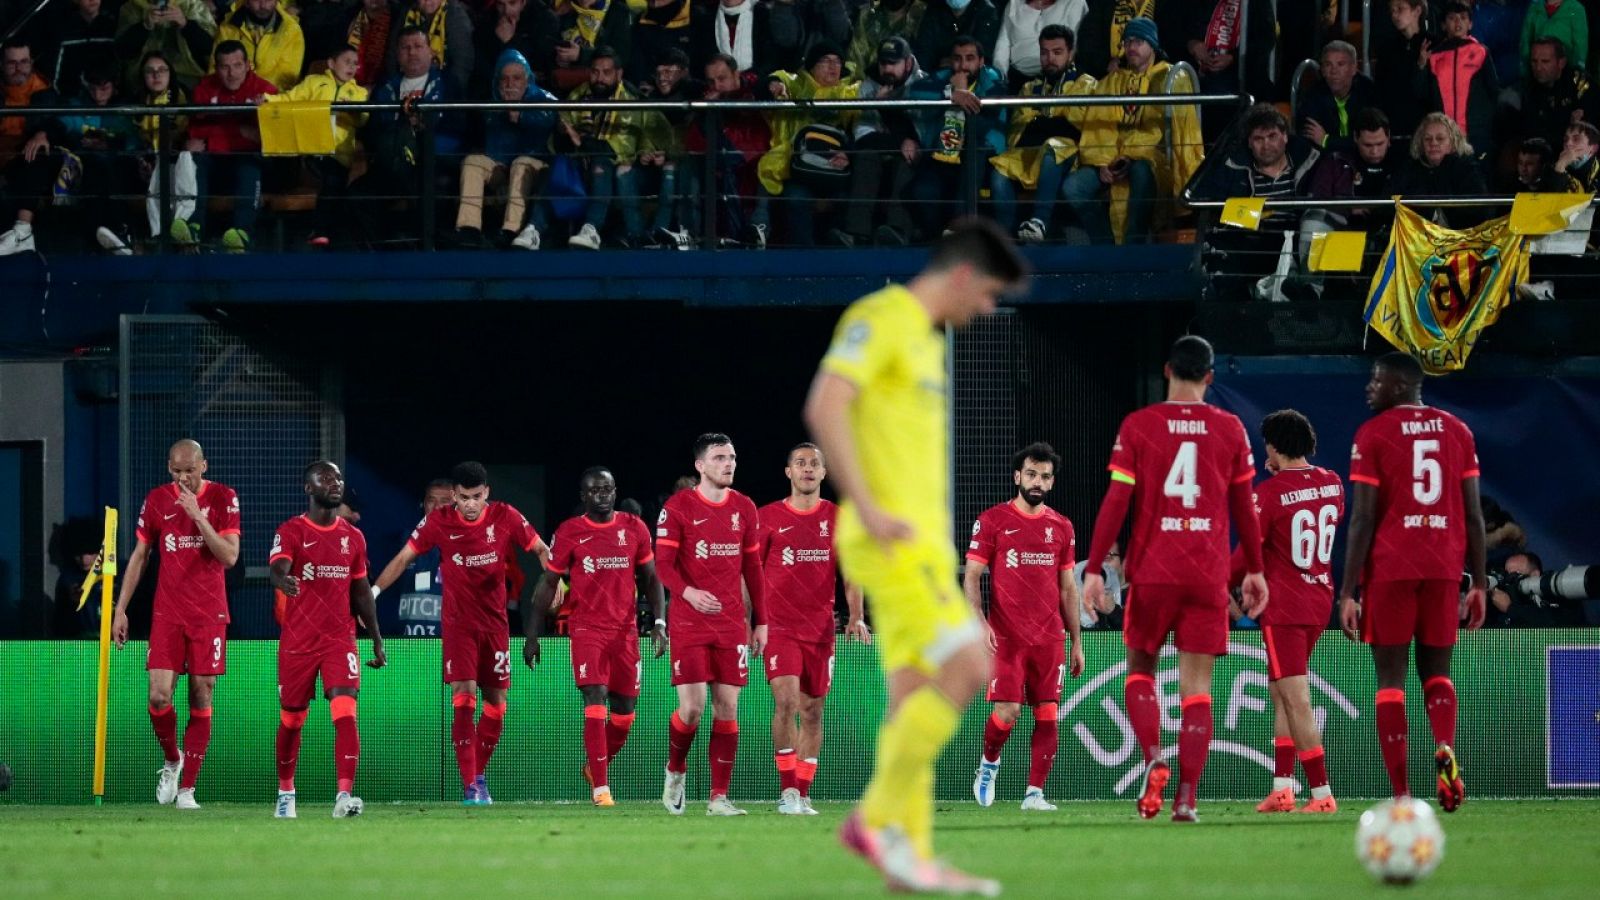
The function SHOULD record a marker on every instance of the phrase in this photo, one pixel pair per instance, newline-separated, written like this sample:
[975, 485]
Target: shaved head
[187, 447]
[186, 463]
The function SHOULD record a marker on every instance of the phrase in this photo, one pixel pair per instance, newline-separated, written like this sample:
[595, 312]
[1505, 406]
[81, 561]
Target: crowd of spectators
[1469, 98]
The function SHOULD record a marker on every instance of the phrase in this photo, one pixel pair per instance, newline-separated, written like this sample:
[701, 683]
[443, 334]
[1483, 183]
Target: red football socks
[1194, 743]
[805, 772]
[1045, 731]
[165, 722]
[196, 737]
[680, 738]
[995, 733]
[1439, 696]
[594, 743]
[462, 736]
[290, 723]
[1283, 757]
[1391, 721]
[786, 763]
[1315, 762]
[346, 741]
[617, 733]
[490, 725]
[1144, 713]
[724, 749]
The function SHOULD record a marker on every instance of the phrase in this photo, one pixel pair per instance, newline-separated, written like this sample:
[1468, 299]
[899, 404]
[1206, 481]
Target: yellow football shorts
[919, 615]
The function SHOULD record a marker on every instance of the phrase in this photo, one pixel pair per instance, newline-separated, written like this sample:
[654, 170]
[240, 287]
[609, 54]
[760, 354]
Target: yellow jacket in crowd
[1021, 164]
[324, 87]
[773, 169]
[1141, 132]
[277, 52]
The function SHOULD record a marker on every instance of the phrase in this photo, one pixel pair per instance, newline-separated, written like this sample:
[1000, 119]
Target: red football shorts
[611, 660]
[1289, 648]
[187, 649]
[810, 661]
[710, 664]
[338, 664]
[481, 656]
[1028, 673]
[1396, 612]
[1195, 615]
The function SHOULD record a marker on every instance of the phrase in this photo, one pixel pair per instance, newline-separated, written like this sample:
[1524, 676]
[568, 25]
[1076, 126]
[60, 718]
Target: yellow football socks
[901, 792]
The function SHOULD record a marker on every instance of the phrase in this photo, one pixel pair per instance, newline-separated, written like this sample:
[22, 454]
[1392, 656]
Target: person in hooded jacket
[516, 152]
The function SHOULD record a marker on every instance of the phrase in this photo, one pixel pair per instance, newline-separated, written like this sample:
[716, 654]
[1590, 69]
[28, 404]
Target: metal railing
[711, 110]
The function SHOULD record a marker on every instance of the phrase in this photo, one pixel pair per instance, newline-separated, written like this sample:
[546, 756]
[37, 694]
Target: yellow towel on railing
[296, 128]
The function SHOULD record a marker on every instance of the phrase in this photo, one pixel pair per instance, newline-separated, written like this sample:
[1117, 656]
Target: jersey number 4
[1311, 536]
[1181, 479]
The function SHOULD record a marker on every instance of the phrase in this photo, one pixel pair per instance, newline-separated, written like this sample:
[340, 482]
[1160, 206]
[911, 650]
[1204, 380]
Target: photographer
[1517, 601]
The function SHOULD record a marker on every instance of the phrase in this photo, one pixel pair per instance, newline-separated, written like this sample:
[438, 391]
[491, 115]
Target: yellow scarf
[434, 26]
[1121, 13]
[589, 19]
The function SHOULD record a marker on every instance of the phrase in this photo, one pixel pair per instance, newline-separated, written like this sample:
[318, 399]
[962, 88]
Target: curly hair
[1458, 141]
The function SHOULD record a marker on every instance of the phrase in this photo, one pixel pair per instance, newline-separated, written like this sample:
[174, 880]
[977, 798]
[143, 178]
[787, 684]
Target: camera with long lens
[1572, 584]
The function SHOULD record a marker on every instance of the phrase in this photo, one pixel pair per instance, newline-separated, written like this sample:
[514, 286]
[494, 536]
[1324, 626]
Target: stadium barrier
[1528, 701]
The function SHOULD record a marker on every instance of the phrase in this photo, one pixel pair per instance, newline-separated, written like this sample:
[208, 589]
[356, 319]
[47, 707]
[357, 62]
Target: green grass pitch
[1495, 849]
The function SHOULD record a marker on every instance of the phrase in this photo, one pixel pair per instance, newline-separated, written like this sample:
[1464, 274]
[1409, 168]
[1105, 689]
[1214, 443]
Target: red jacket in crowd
[229, 132]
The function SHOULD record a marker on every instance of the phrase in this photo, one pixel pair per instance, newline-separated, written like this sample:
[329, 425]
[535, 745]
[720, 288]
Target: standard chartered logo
[1109, 740]
[588, 565]
[788, 556]
[308, 572]
[701, 550]
[1011, 559]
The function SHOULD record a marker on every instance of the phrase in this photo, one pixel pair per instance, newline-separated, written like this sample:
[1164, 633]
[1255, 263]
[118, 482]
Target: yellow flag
[1243, 212]
[1546, 213]
[296, 128]
[1337, 251]
[1436, 289]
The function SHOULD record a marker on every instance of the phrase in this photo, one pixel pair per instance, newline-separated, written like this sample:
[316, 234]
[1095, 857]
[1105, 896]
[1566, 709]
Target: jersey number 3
[1181, 480]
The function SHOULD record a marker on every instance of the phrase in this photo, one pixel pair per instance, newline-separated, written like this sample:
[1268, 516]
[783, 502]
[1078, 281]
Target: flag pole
[107, 576]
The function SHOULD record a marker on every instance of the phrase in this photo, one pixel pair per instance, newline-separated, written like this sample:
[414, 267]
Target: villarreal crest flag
[1436, 289]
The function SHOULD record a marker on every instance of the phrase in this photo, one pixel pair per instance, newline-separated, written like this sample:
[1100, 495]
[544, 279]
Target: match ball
[1400, 841]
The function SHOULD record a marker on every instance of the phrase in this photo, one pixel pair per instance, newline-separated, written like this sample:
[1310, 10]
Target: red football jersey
[711, 540]
[326, 561]
[189, 585]
[1416, 457]
[472, 561]
[1181, 459]
[599, 560]
[1300, 510]
[800, 569]
[1025, 555]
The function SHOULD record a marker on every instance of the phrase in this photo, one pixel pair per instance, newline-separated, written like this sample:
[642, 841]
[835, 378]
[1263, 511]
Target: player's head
[1396, 379]
[1289, 438]
[1033, 471]
[805, 469]
[186, 463]
[715, 460]
[1191, 360]
[469, 489]
[971, 266]
[439, 492]
[597, 491]
[324, 484]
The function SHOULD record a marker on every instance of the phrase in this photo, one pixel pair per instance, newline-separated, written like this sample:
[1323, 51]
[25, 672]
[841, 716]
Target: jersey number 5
[1311, 536]
[1181, 481]
[1427, 477]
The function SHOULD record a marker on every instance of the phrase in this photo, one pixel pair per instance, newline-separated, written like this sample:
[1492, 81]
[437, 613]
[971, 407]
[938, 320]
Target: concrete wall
[32, 400]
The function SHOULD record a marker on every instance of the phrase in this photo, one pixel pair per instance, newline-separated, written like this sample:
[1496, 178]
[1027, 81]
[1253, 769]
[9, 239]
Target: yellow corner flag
[105, 573]
[1337, 251]
[1243, 212]
[296, 128]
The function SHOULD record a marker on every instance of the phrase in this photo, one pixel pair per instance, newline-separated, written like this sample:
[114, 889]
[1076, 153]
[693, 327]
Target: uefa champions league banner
[1529, 727]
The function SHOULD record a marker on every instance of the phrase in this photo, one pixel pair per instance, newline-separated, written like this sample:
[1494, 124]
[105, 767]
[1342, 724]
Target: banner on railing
[1437, 289]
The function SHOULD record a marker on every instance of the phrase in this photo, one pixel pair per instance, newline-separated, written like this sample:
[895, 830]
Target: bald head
[188, 447]
[186, 462]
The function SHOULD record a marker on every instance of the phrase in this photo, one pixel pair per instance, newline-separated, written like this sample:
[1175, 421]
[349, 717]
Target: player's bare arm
[1069, 614]
[132, 571]
[855, 602]
[1473, 604]
[827, 415]
[396, 567]
[225, 547]
[649, 581]
[1242, 508]
[1358, 543]
[544, 595]
[972, 586]
[278, 574]
[366, 609]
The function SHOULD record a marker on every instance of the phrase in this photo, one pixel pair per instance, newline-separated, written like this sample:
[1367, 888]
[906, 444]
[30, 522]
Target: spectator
[1464, 84]
[878, 21]
[332, 173]
[1088, 616]
[1442, 165]
[161, 89]
[1565, 21]
[945, 20]
[585, 25]
[661, 150]
[227, 146]
[797, 26]
[761, 35]
[1375, 167]
[886, 149]
[1043, 142]
[683, 24]
[1534, 173]
[448, 30]
[272, 40]
[606, 143]
[739, 147]
[369, 34]
[1016, 48]
[967, 127]
[393, 140]
[101, 144]
[1214, 32]
[21, 83]
[1578, 160]
[526, 26]
[1100, 32]
[821, 80]
[516, 150]
[71, 36]
[1402, 78]
[1329, 108]
[1552, 92]
[183, 30]
[1123, 154]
